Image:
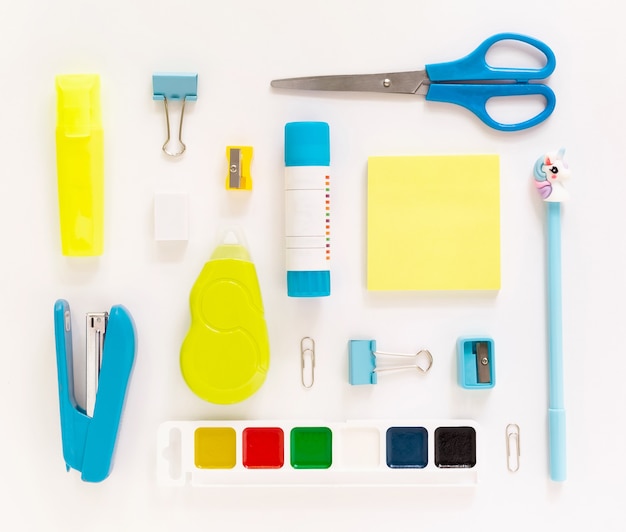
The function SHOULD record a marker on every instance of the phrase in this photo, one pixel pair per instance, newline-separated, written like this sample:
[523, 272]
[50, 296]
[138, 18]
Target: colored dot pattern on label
[327, 215]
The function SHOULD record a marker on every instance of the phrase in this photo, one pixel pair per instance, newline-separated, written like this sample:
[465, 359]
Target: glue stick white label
[307, 213]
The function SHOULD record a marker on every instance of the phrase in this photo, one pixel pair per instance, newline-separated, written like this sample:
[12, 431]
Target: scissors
[469, 82]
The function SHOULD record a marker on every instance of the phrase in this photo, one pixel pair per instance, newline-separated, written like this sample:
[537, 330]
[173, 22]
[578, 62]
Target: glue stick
[307, 208]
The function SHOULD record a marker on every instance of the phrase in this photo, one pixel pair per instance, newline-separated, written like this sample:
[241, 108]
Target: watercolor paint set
[352, 453]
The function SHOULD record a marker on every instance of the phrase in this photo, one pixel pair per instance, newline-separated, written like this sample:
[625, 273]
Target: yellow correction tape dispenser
[225, 356]
[80, 164]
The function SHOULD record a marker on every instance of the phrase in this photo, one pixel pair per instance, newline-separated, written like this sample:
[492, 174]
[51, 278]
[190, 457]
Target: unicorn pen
[550, 173]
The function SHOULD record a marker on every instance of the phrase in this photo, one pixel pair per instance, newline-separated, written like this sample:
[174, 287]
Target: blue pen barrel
[556, 414]
[558, 452]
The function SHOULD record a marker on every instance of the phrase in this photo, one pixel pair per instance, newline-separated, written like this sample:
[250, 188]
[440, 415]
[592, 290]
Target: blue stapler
[89, 434]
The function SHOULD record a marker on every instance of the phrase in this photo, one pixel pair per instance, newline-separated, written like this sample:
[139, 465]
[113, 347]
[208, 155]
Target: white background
[237, 47]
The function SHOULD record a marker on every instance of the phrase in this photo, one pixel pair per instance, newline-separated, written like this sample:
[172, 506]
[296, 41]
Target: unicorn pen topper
[550, 174]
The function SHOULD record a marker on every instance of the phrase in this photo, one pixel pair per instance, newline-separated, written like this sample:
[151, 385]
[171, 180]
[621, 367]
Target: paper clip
[175, 87]
[239, 158]
[307, 350]
[512, 447]
[89, 435]
[363, 367]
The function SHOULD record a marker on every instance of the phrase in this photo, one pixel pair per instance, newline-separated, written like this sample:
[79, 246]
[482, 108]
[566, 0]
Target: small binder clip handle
[89, 441]
[174, 87]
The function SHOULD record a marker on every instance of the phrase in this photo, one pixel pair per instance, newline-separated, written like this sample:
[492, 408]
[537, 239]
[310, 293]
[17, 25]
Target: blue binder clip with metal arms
[89, 434]
[363, 366]
[175, 87]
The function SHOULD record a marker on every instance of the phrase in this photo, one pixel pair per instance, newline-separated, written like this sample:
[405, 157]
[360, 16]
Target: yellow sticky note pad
[433, 222]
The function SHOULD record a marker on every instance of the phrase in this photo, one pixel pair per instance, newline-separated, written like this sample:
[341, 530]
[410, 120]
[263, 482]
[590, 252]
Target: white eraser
[171, 216]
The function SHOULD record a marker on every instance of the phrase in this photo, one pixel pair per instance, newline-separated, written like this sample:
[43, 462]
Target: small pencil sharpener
[476, 363]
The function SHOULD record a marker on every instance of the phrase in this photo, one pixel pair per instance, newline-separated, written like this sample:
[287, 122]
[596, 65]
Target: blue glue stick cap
[307, 144]
[308, 283]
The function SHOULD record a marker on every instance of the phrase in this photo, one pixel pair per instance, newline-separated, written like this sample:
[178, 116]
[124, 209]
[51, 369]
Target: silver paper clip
[307, 351]
[512, 447]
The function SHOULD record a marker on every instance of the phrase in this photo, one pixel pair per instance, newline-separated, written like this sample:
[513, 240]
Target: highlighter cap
[307, 144]
[78, 104]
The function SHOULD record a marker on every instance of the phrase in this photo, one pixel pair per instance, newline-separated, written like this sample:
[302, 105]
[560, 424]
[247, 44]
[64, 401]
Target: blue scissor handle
[474, 67]
[474, 97]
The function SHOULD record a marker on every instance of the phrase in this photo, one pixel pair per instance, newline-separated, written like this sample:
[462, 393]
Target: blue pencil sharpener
[476, 363]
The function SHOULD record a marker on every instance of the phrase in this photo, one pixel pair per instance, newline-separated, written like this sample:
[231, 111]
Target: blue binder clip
[89, 435]
[175, 87]
[363, 364]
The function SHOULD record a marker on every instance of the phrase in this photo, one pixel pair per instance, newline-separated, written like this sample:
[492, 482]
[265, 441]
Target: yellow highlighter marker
[80, 164]
[225, 356]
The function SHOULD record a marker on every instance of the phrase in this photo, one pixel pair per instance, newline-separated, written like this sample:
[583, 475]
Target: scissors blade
[415, 82]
